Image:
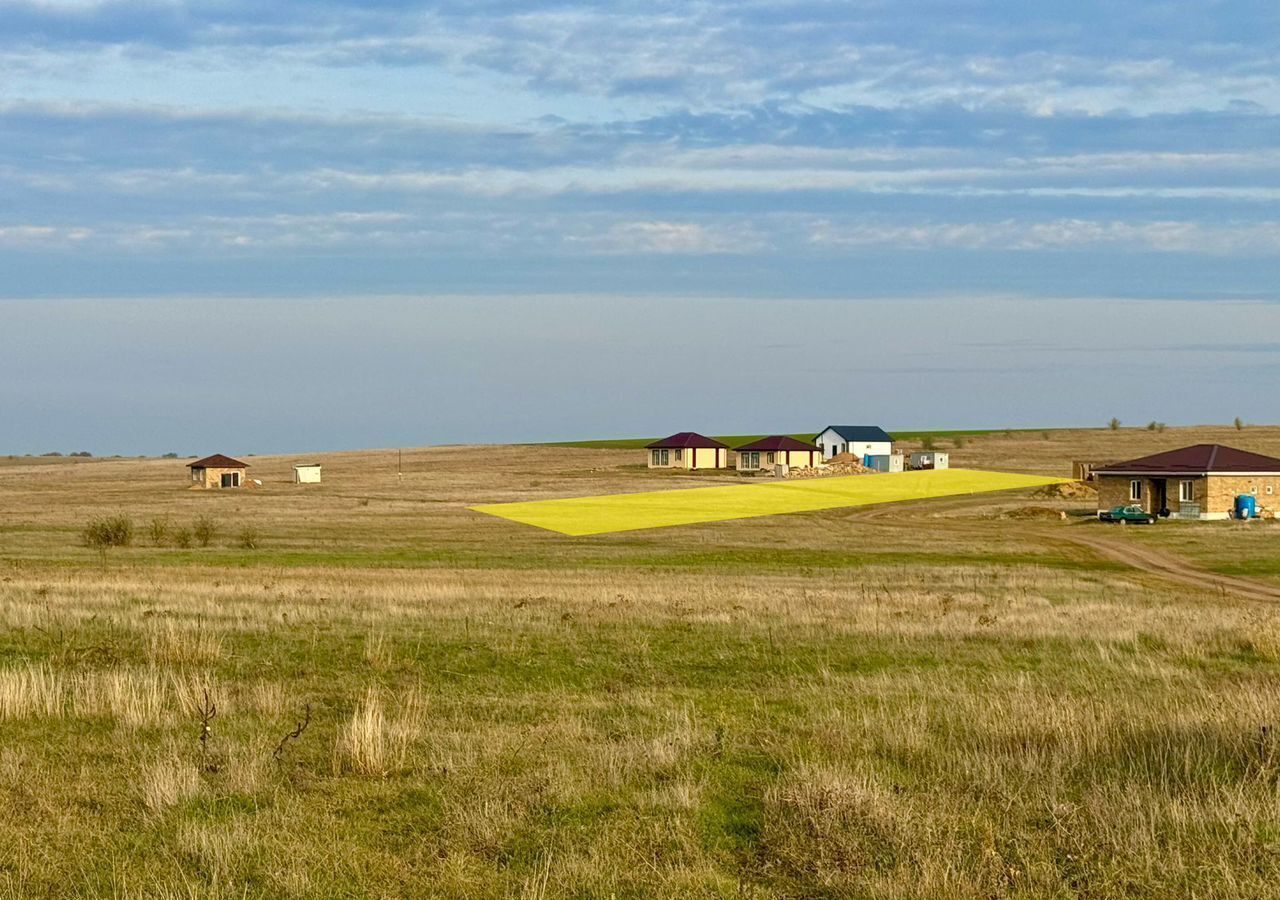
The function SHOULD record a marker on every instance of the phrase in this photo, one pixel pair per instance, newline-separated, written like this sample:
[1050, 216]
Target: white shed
[886, 462]
[306, 473]
[929, 459]
[860, 440]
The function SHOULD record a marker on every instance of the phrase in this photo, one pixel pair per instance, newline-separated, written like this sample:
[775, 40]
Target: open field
[691, 506]
[927, 699]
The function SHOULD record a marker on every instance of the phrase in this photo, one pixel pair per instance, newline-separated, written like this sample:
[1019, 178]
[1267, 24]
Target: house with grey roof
[860, 440]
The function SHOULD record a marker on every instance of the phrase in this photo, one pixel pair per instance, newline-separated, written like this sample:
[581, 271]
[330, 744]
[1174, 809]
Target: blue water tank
[1246, 506]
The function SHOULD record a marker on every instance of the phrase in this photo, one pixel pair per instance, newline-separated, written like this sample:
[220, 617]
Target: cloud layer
[568, 138]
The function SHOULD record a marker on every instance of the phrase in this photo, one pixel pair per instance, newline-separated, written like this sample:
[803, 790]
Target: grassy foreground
[913, 703]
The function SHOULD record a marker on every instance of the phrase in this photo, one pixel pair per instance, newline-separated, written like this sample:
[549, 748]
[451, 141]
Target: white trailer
[306, 473]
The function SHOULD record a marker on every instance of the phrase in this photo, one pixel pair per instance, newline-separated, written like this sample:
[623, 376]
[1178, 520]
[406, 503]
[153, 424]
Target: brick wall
[1214, 495]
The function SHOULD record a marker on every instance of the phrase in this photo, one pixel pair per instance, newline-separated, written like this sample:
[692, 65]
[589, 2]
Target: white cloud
[679, 238]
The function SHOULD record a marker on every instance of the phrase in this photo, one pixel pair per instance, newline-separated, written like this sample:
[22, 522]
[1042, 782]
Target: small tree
[1114, 424]
[182, 537]
[1239, 423]
[248, 538]
[158, 530]
[204, 529]
[114, 531]
[926, 442]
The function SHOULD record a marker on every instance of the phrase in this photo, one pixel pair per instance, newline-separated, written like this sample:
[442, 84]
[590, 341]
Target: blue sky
[320, 155]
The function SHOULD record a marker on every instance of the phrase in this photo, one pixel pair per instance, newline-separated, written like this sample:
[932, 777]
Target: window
[666, 457]
[679, 455]
[1135, 490]
[768, 457]
[1270, 489]
[1186, 492]
[655, 457]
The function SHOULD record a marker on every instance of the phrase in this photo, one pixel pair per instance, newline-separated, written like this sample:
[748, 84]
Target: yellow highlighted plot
[661, 509]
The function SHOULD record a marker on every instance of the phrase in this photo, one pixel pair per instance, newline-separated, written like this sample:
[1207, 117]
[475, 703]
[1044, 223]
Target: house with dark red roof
[217, 471]
[1198, 482]
[777, 449]
[688, 450]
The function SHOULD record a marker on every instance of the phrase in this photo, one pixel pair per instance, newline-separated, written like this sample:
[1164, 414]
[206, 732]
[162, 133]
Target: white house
[306, 473]
[860, 440]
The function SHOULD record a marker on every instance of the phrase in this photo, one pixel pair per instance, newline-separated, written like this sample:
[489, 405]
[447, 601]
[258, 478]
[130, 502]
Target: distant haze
[253, 376]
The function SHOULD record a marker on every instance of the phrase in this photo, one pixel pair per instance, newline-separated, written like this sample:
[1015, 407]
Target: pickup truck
[1127, 515]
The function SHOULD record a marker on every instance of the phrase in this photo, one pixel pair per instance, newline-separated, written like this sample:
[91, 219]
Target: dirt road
[1118, 548]
[1111, 543]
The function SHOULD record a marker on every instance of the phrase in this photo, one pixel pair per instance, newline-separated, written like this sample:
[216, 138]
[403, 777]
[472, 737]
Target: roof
[1200, 459]
[776, 442]
[684, 439]
[867, 433]
[217, 461]
[306, 465]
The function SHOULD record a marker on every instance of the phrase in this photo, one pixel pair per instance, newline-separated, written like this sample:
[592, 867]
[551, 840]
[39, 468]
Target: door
[1160, 496]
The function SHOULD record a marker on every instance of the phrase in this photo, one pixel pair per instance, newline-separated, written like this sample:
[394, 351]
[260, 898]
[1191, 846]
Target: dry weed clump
[167, 781]
[373, 743]
[172, 644]
[31, 691]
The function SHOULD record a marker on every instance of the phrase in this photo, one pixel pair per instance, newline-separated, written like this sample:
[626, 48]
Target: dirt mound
[1035, 512]
[1069, 490]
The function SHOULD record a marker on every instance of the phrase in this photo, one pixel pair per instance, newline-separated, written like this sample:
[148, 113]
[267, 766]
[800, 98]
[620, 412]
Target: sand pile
[1070, 490]
[1035, 512]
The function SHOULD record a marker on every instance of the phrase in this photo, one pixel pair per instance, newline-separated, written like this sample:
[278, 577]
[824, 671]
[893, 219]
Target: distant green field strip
[737, 440]
[661, 509]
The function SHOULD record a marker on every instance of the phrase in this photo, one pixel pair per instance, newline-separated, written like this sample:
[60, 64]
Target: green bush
[181, 537]
[248, 538]
[204, 529]
[158, 531]
[113, 531]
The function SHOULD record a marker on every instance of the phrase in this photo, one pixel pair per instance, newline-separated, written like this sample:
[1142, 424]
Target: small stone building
[777, 450]
[1198, 482]
[688, 450]
[217, 471]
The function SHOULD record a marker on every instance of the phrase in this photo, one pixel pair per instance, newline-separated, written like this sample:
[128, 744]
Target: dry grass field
[361, 688]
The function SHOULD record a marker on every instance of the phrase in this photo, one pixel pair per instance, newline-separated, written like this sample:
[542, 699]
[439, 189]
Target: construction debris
[840, 464]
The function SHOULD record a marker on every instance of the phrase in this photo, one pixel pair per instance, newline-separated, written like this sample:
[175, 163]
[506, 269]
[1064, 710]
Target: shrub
[170, 456]
[113, 531]
[1114, 424]
[1239, 423]
[926, 442]
[181, 537]
[158, 531]
[248, 538]
[204, 529]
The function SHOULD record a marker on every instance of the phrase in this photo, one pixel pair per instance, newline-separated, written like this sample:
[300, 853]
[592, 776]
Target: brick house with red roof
[217, 471]
[777, 449]
[688, 450]
[1198, 482]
